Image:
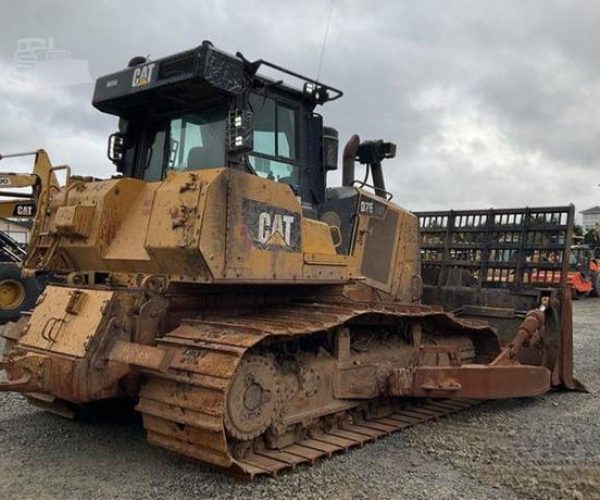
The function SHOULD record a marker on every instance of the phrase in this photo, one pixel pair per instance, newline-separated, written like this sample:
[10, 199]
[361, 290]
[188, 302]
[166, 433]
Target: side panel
[408, 285]
[91, 219]
[127, 247]
[175, 224]
[380, 245]
[385, 248]
[267, 238]
[217, 225]
[63, 347]
[61, 322]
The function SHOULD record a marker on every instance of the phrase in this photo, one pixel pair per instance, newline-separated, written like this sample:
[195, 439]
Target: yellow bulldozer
[258, 317]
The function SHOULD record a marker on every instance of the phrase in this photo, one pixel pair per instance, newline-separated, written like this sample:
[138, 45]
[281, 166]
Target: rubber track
[183, 406]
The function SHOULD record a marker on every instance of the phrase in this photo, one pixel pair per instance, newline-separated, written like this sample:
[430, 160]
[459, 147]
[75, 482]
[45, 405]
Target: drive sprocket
[251, 401]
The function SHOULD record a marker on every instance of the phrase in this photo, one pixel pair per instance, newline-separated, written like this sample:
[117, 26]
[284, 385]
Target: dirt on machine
[258, 317]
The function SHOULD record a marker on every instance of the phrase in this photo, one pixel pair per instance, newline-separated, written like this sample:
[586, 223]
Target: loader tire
[17, 294]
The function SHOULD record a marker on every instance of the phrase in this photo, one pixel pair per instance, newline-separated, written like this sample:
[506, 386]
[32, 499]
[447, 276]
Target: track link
[341, 439]
[183, 407]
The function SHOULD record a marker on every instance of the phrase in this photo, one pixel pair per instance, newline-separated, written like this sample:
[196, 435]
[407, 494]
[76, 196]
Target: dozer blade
[517, 258]
[562, 375]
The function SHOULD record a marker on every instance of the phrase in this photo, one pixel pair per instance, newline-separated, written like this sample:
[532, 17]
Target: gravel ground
[547, 447]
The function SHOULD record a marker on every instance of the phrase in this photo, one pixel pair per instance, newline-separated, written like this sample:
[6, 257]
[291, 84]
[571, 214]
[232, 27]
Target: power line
[325, 39]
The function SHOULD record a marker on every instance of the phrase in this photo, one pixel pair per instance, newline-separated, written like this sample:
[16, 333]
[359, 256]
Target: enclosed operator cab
[205, 109]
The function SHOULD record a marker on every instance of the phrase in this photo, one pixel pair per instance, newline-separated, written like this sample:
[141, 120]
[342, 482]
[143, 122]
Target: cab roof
[200, 76]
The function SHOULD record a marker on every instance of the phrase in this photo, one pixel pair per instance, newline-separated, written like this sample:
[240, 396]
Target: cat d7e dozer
[258, 318]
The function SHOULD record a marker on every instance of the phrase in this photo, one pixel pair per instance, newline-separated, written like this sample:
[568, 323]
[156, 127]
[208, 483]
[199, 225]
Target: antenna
[324, 39]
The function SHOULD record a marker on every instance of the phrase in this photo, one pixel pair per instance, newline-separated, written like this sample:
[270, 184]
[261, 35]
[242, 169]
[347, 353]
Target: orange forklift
[583, 271]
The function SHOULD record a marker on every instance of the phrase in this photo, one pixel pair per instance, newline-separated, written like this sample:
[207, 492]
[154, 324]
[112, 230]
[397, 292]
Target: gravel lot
[543, 448]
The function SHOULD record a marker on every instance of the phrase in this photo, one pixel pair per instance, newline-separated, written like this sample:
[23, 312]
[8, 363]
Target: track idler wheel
[252, 398]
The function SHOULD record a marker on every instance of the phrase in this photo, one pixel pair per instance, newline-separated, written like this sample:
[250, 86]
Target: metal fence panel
[514, 248]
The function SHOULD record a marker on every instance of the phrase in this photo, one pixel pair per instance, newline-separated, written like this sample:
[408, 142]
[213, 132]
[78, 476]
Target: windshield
[189, 142]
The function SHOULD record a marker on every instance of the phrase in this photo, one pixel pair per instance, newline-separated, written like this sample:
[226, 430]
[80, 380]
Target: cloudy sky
[491, 103]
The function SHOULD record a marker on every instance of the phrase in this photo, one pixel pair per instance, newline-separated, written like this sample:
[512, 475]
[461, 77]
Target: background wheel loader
[19, 293]
[258, 317]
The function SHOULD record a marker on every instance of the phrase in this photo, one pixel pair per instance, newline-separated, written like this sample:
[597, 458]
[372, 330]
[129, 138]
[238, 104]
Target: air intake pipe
[349, 156]
[378, 181]
[371, 154]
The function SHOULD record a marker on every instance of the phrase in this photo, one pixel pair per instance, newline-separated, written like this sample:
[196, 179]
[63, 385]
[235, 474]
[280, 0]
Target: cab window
[189, 142]
[275, 146]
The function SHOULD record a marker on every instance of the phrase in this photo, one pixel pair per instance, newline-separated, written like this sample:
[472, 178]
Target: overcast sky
[491, 103]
